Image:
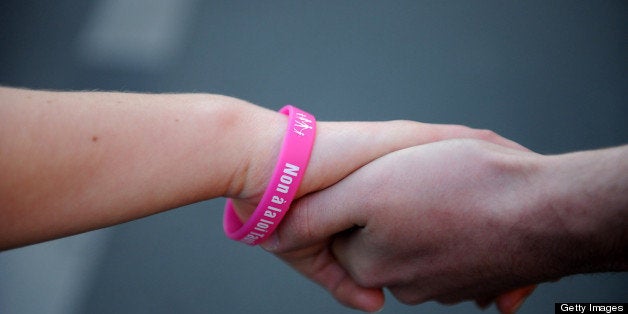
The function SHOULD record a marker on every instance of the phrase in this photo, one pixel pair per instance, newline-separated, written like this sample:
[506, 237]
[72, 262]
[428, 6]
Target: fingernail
[271, 244]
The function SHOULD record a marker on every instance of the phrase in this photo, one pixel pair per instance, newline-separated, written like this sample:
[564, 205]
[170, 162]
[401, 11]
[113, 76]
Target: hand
[415, 221]
[340, 148]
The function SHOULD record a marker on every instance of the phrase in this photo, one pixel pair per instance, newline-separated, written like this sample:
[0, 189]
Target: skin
[464, 220]
[77, 161]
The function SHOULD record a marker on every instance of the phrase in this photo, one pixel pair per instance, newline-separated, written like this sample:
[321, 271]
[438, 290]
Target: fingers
[349, 293]
[510, 302]
[315, 218]
[318, 264]
[303, 241]
[360, 258]
[459, 131]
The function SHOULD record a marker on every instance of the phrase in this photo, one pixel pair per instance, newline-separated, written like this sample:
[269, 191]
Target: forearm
[585, 198]
[72, 162]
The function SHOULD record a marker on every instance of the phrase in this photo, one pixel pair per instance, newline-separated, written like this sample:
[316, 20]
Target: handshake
[428, 211]
[431, 212]
[425, 221]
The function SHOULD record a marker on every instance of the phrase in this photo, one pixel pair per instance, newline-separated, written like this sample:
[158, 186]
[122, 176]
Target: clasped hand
[430, 222]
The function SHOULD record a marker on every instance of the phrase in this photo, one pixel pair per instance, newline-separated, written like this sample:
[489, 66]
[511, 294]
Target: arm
[464, 219]
[76, 161]
[586, 193]
[72, 162]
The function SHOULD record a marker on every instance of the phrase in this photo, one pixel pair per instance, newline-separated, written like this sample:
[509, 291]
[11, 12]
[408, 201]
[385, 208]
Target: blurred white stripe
[144, 35]
[135, 34]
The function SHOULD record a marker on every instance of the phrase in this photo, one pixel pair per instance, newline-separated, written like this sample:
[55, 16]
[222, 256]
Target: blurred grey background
[551, 75]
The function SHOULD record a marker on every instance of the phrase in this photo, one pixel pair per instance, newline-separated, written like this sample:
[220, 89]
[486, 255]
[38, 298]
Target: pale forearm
[97, 159]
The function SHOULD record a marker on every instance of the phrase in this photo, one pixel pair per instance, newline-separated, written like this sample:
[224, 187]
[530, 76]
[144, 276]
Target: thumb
[316, 218]
[303, 241]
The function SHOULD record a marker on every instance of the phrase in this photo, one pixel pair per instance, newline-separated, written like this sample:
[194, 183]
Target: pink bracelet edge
[300, 134]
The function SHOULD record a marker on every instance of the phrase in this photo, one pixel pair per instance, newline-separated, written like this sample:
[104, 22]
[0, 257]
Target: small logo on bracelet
[301, 124]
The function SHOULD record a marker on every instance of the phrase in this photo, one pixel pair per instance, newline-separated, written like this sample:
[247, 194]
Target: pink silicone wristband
[289, 171]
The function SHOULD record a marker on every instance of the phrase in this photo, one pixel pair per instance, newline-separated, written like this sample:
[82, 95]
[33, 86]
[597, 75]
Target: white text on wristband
[289, 171]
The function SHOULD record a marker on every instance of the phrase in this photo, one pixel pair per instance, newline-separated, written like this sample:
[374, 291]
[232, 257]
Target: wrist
[290, 167]
[598, 201]
[260, 133]
[581, 216]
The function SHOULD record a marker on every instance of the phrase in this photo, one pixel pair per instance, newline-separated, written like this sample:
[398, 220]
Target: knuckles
[486, 135]
[371, 273]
